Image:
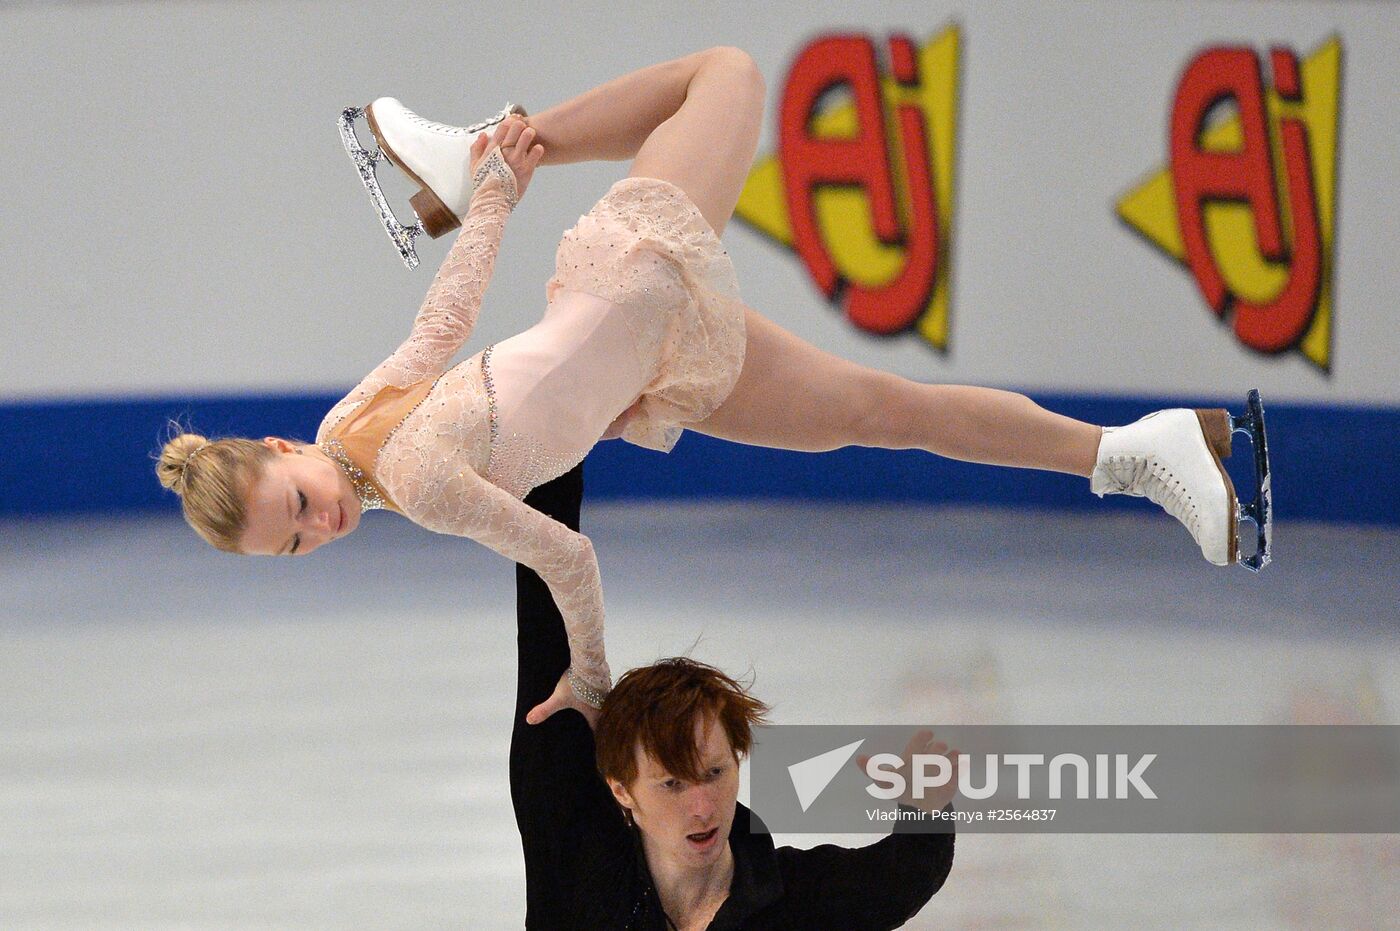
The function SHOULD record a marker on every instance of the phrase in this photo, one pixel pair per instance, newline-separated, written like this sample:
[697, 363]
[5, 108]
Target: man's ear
[619, 791]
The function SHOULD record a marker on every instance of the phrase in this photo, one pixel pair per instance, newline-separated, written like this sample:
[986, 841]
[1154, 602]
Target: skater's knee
[740, 61]
[732, 76]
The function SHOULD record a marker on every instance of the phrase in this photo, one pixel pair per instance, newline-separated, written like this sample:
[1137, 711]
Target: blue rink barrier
[1330, 462]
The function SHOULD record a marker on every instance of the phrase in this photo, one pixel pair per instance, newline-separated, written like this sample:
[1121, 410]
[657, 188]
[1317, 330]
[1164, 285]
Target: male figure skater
[658, 840]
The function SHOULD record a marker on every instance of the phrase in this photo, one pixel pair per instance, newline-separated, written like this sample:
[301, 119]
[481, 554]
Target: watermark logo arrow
[811, 777]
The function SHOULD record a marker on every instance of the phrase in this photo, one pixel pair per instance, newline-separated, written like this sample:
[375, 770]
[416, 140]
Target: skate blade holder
[1259, 511]
[365, 160]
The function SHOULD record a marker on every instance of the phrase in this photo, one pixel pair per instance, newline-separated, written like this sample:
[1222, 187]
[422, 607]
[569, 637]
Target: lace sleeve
[465, 504]
[450, 310]
[453, 303]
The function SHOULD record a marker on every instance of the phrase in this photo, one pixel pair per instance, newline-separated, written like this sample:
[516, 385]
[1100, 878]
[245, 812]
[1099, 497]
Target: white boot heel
[1215, 427]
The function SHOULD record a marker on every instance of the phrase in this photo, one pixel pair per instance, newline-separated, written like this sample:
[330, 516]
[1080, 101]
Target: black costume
[584, 867]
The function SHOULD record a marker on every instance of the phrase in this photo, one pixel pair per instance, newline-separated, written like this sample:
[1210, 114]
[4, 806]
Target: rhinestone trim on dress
[495, 164]
[404, 419]
[591, 695]
[490, 402]
[370, 499]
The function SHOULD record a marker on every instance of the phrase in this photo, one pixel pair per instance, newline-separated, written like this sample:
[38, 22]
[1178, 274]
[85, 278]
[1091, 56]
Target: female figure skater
[643, 335]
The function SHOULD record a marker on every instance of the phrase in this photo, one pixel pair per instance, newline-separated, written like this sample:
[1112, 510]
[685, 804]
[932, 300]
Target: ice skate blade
[1260, 510]
[365, 161]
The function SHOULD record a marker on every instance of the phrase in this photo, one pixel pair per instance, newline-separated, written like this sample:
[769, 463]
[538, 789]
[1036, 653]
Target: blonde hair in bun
[212, 478]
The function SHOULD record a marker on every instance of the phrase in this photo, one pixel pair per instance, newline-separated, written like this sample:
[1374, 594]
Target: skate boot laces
[443, 129]
[1148, 477]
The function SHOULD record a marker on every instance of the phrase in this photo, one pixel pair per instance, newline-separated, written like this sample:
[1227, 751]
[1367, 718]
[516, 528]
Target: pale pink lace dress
[643, 332]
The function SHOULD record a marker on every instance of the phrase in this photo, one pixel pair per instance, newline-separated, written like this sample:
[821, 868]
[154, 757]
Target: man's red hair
[658, 707]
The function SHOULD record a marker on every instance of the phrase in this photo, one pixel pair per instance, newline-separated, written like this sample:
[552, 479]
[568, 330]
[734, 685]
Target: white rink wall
[182, 219]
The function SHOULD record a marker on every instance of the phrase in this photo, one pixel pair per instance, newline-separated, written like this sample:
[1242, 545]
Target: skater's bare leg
[792, 395]
[611, 121]
[693, 122]
[706, 147]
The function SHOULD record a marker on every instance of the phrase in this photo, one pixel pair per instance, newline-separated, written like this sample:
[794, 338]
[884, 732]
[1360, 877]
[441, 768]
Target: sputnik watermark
[924, 815]
[1078, 778]
[891, 783]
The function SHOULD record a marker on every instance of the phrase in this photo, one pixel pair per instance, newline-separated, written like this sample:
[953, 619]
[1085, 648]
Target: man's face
[686, 822]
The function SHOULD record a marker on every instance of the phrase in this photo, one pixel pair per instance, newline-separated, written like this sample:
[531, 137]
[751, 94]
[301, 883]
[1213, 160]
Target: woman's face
[302, 501]
[686, 822]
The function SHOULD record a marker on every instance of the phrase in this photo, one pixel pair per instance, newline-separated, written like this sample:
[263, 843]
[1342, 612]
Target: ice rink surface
[195, 740]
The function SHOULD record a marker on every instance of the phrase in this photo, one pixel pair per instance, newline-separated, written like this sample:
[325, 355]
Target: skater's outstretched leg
[792, 395]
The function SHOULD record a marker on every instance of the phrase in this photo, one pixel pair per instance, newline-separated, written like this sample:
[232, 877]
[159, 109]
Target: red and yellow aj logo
[863, 190]
[1247, 201]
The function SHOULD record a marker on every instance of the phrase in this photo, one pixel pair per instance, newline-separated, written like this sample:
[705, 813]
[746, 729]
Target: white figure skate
[1173, 457]
[435, 156]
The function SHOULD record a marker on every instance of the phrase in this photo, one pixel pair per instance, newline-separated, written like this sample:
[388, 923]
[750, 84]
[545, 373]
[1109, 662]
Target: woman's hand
[562, 698]
[514, 136]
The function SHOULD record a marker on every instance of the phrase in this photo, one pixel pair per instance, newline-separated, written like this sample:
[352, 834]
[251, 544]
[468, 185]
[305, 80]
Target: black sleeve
[881, 885]
[564, 810]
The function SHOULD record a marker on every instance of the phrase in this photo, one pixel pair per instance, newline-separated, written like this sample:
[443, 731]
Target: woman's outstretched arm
[450, 310]
[462, 503]
[453, 303]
